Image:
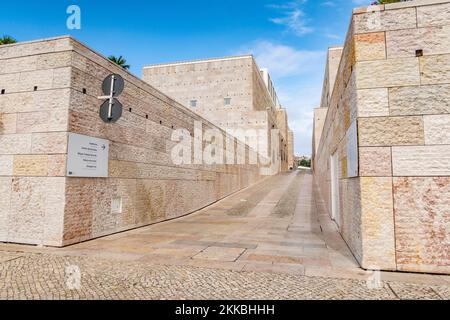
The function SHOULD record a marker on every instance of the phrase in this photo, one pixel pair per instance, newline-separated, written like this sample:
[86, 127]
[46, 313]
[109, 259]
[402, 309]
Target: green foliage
[120, 61]
[388, 1]
[305, 163]
[7, 40]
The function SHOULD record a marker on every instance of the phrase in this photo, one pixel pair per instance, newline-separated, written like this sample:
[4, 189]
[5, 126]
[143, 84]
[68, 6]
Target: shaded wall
[392, 86]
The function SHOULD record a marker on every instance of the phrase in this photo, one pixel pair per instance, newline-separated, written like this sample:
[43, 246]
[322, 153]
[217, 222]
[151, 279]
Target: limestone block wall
[40, 205]
[209, 82]
[392, 82]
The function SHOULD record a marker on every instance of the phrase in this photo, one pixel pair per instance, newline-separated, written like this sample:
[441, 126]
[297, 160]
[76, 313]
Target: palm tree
[120, 61]
[7, 40]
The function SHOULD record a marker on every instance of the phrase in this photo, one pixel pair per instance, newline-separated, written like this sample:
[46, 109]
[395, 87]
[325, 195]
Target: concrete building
[232, 92]
[49, 93]
[382, 150]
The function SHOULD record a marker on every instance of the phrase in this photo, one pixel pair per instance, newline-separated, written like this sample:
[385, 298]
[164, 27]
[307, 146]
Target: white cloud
[297, 75]
[293, 17]
[282, 60]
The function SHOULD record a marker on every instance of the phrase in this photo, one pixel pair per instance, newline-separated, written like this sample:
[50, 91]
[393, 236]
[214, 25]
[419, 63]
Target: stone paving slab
[45, 276]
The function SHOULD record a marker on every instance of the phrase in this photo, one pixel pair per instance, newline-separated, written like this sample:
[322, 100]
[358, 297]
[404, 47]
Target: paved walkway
[273, 240]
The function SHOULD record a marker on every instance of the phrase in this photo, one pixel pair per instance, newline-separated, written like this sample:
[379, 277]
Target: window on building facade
[227, 101]
[193, 103]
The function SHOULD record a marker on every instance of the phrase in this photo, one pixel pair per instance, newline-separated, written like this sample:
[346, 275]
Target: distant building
[232, 92]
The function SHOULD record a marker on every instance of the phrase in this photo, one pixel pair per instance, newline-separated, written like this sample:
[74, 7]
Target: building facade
[382, 150]
[233, 93]
[49, 91]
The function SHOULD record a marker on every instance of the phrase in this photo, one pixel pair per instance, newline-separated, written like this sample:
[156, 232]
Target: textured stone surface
[36, 210]
[49, 143]
[422, 218]
[15, 144]
[375, 162]
[387, 73]
[421, 160]
[5, 204]
[370, 46]
[437, 129]
[109, 279]
[8, 122]
[404, 43]
[391, 131]
[385, 20]
[418, 100]
[377, 224]
[6, 165]
[373, 102]
[435, 69]
[30, 165]
[438, 15]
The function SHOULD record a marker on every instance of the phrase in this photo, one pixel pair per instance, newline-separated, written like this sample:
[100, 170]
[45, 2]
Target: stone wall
[40, 205]
[392, 82]
[209, 82]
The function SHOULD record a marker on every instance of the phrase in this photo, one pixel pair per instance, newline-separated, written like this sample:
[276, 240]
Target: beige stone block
[43, 121]
[45, 143]
[57, 165]
[375, 162]
[15, 144]
[370, 46]
[36, 48]
[35, 101]
[390, 131]
[10, 82]
[404, 43]
[418, 100]
[418, 161]
[27, 210]
[437, 15]
[384, 20]
[55, 201]
[18, 65]
[5, 201]
[373, 102]
[30, 165]
[42, 79]
[387, 73]
[421, 223]
[62, 77]
[377, 223]
[54, 60]
[8, 123]
[435, 69]
[6, 165]
[437, 129]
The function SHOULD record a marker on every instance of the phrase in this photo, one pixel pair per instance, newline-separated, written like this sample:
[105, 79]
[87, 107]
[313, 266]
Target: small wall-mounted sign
[87, 156]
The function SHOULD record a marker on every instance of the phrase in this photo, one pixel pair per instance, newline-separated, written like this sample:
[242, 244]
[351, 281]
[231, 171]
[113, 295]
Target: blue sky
[288, 37]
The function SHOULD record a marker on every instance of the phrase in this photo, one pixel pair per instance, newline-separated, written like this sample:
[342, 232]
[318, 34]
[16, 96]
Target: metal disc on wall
[116, 111]
[118, 85]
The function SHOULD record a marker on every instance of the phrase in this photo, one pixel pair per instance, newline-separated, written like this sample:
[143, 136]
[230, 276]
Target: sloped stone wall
[39, 204]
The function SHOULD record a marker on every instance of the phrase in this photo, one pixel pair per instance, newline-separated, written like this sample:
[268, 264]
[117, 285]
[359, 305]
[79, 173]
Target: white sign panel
[87, 156]
[352, 151]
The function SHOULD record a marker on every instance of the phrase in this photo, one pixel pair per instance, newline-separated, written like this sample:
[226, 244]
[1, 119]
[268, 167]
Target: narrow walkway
[270, 241]
[272, 226]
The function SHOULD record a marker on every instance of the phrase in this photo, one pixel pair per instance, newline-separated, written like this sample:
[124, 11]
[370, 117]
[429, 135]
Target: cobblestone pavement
[45, 276]
[274, 240]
